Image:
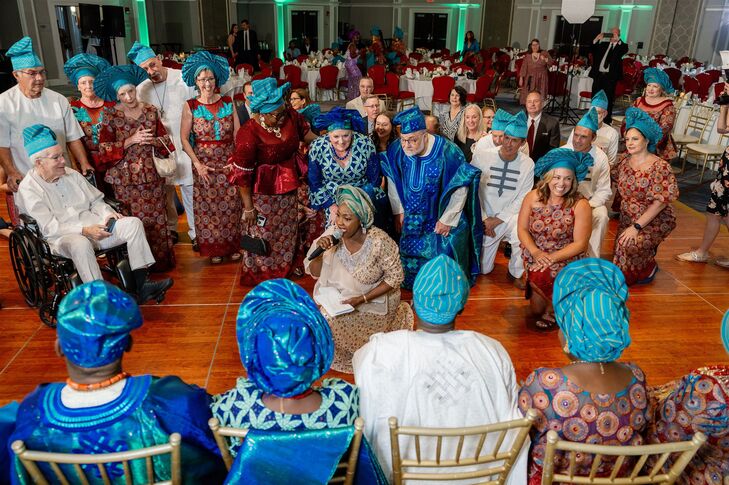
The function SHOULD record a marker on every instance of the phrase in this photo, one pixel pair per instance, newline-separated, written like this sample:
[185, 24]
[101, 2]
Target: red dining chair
[417, 56]
[400, 98]
[704, 85]
[715, 74]
[244, 66]
[428, 65]
[377, 74]
[302, 58]
[691, 85]
[483, 84]
[276, 65]
[442, 86]
[674, 75]
[328, 80]
[292, 74]
[718, 89]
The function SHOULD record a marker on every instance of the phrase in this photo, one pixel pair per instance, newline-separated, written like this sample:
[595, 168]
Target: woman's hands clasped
[542, 261]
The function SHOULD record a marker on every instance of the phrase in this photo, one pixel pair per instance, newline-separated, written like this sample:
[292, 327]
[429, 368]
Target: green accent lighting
[142, 22]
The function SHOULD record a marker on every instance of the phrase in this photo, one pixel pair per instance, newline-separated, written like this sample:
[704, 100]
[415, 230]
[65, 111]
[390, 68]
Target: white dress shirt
[596, 186]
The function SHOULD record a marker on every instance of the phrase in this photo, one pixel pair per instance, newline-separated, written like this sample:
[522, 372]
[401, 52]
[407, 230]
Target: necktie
[606, 61]
[530, 136]
[247, 45]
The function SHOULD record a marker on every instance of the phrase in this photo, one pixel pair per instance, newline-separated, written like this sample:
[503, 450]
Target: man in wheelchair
[74, 219]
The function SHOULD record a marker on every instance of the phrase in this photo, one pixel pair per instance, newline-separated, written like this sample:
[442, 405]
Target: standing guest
[384, 133]
[470, 46]
[437, 376]
[265, 169]
[364, 268]
[354, 75]
[534, 73]
[209, 126]
[130, 135]
[507, 176]
[231, 41]
[101, 408]
[398, 49]
[647, 187]
[450, 119]
[432, 125]
[246, 44]
[166, 91]
[346, 155]
[299, 100]
[372, 110]
[292, 52]
[435, 210]
[81, 70]
[660, 108]
[607, 137]
[376, 51]
[594, 399]
[596, 186]
[554, 226]
[29, 103]
[718, 206]
[607, 67]
[469, 130]
[244, 110]
[543, 129]
[306, 47]
[366, 86]
[487, 114]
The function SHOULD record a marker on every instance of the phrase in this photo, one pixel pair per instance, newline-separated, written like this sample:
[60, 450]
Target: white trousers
[600, 221]
[186, 191]
[81, 249]
[490, 247]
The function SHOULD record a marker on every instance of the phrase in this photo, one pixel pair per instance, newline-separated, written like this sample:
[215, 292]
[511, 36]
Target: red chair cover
[442, 86]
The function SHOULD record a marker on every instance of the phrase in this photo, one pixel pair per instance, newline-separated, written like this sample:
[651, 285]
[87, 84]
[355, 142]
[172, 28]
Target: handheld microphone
[337, 236]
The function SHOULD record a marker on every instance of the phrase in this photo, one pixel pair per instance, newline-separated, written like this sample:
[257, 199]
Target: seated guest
[366, 86]
[594, 399]
[244, 109]
[450, 117]
[596, 186]
[292, 52]
[372, 111]
[543, 129]
[554, 226]
[607, 137]
[495, 137]
[364, 268]
[75, 220]
[285, 345]
[384, 134]
[437, 376]
[696, 402]
[102, 409]
[299, 100]
[507, 176]
[469, 131]
[432, 125]
[487, 114]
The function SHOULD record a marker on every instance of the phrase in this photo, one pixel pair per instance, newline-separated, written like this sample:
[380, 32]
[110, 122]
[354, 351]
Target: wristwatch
[637, 226]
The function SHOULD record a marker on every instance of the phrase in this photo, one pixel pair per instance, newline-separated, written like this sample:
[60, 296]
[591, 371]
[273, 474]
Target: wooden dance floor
[674, 321]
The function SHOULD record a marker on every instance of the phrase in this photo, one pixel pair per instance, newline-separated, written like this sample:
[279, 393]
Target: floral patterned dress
[132, 174]
[242, 407]
[638, 190]
[216, 205]
[552, 228]
[90, 120]
[535, 75]
[696, 402]
[664, 113]
[719, 202]
[581, 416]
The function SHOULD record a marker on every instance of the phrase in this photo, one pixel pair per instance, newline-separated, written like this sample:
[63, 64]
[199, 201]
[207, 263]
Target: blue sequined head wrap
[517, 127]
[590, 120]
[94, 322]
[339, 118]
[38, 137]
[589, 301]
[310, 112]
[82, 65]
[440, 290]
[267, 95]
[285, 343]
[23, 56]
[600, 100]
[108, 82]
[202, 60]
[642, 121]
[501, 119]
[578, 162]
[410, 120]
[657, 76]
[140, 53]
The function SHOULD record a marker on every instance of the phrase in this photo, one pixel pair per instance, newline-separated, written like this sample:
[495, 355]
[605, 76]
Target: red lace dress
[664, 113]
[552, 228]
[216, 204]
[273, 167]
[90, 120]
[135, 180]
[638, 190]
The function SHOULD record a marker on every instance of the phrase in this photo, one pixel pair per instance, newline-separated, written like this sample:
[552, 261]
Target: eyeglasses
[55, 158]
[294, 99]
[411, 141]
[203, 80]
[41, 73]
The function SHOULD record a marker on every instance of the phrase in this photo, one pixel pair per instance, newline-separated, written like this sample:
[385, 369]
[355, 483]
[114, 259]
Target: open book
[330, 300]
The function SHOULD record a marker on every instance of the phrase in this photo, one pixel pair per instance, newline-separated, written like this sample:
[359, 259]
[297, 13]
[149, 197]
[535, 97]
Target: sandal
[692, 257]
[216, 259]
[547, 322]
[650, 277]
[722, 262]
[235, 256]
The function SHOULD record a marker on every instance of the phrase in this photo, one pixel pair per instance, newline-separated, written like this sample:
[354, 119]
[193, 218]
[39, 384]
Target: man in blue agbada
[102, 409]
[433, 192]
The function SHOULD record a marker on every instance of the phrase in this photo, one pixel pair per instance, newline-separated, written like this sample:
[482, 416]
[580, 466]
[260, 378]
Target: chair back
[77, 462]
[417, 56]
[690, 84]
[171, 63]
[660, 56]
[657, 62]
[442, 86]
[345, 470]
[328, 76]
[301, 58]
[714, 74]
[494, 463]
[651, 474]
[377, 73]
[718, 89]
[392, 85]
[293, 74]
[701, 117]
[704, 85]
[428, 65]
[246, 67]
[674, 75]
[276, 64]
[483, 84]
[557, 83]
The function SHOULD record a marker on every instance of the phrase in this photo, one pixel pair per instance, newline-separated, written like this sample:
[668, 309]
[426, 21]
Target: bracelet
[246, 211]
[365, 297]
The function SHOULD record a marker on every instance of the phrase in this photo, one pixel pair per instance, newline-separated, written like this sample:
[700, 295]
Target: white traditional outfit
[607, 139]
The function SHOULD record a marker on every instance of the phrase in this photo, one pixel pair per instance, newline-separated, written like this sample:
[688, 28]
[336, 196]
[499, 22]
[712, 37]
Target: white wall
[713, 31]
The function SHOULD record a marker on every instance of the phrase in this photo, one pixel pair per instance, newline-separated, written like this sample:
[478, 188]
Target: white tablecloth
[234, 85]
[311, 77]
[423, 89]
[579, 84]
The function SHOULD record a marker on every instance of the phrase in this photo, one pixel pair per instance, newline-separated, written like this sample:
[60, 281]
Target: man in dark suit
[542, 129]
[306, 47]
[246, 45]
[607, 67]
[244, 110]
[372, 110]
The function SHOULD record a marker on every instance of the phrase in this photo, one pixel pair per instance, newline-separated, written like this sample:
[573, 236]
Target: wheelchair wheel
[27, 267]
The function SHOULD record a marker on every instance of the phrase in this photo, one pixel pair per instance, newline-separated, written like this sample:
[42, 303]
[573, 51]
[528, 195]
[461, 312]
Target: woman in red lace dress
[554, 226]
[210, 123]
[130, 134]
[647, 187]
[268, 169]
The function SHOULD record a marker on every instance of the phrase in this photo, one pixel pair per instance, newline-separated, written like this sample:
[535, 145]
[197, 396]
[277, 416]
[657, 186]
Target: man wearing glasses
[28, 103]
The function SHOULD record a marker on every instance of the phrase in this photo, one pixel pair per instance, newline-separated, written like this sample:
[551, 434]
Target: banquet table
[579, 84]
[311, 76]
[234, 85]
[423, 89]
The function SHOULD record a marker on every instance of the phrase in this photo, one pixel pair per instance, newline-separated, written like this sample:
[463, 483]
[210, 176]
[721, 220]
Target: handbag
[166, 167]
[255, 245]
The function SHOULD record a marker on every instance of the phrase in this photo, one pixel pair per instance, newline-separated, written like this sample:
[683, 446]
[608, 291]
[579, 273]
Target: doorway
[69, 33]
[305, 23]
[430, 30]
[576, 37]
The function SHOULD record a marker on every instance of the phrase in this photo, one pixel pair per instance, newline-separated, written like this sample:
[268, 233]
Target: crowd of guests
[366, 202]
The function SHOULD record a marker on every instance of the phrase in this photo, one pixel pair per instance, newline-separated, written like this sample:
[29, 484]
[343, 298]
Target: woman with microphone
[362, 264]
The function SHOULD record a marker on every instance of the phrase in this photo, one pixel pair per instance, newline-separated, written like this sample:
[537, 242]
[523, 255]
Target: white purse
[166, 167]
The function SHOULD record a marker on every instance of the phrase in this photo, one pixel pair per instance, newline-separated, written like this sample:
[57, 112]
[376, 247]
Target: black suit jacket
[614, 61]
[306, 49]
[243, 114]
[546, 137]
[239, 41]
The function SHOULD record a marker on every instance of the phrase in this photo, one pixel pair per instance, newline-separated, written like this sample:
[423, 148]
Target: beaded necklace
[275, 130]
[336, 155]
[96, 385]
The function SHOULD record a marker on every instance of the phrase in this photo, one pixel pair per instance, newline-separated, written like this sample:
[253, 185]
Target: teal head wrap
[517, 127]
[590, 120]
[108, 82]
[267, 96]
[589, 301]
[94, 323]
[410, 120]
[82, 65]
[501, 119]
[285, 343]
[339, 118]
[600, 100]
[655, 75]
[37, 138]
[202, 60]
[440, 291]
[578, 162]
[140, 53]
[358, 202]
[22, 55]
[642, 121]
[725, 331]
[398, 34]
[311, 112]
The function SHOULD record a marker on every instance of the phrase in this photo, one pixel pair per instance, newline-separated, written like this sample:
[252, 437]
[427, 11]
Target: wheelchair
[45, 278]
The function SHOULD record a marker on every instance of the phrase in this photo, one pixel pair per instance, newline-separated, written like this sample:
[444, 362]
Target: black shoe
[154, 290]
[175, 237]
[507, 251]
[195, 245]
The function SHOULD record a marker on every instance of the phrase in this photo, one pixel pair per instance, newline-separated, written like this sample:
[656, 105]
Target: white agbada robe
[17, 112]
[501, 190]
[453, 379]
[596, 189]
[608, 139]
